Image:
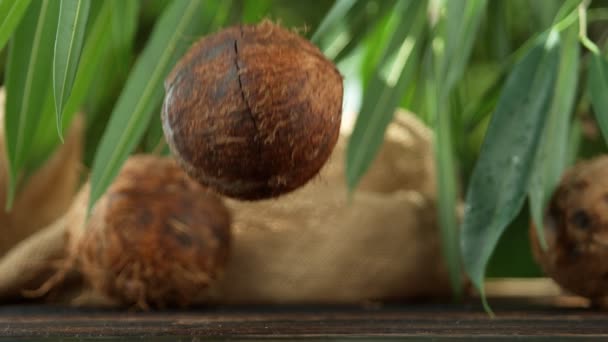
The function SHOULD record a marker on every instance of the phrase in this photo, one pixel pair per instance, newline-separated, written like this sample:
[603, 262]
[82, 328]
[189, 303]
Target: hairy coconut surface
[156, 238]
[253, 111]
[576, 230]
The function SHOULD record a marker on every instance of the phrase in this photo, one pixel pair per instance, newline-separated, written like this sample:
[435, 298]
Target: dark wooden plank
[431, 321]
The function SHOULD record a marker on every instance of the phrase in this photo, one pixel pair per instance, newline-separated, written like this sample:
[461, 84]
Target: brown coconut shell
[156, 238]
[253, 111]
[576, 231]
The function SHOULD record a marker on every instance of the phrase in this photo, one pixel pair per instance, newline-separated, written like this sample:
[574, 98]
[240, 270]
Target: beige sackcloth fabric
[46, 194]
[315, 245]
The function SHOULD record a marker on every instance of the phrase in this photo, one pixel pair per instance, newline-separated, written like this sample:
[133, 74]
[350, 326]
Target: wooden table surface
[513, 319]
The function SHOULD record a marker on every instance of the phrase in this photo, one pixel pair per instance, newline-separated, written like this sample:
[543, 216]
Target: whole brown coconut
[253, 111]
[576, 229]
[156, 238]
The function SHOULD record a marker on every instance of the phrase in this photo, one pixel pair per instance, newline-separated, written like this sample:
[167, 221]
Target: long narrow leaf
[337, 12]
[373, 48]
[123, 26]
[348, 23]
[94, 53]
[447, 197]
[552, 157]
[566, 8]
[124, 21]
[501, 176]
[385, 90]
[364, 22]
[27, 82]
[461, 25]
[72, 24]
[598, 88]
[96, 47]
[142, 94]
[11, 13]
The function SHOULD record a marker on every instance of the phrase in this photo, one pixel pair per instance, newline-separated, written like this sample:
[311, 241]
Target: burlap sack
[313, 245]
[46, 194]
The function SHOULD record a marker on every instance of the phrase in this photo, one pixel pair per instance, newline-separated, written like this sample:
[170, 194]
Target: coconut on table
[311, 246]
[251, 134]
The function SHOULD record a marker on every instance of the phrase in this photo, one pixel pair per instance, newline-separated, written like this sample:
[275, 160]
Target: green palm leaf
[73, 16]
[11, 12]
[502, 174]
[142, 94]
[28, 77]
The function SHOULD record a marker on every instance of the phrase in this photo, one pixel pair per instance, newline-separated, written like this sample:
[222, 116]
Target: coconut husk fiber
[315, 245]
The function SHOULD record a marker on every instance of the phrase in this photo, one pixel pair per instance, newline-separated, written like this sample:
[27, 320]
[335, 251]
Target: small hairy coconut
[156, 238]
[576, 229]
[253, 111]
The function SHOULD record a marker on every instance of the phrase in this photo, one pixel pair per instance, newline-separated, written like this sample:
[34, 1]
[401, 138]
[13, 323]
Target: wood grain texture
[414, 321]
[253, 111]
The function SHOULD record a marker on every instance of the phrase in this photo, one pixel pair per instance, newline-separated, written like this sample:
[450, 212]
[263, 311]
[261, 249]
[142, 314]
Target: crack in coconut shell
[253, 111]
[237, 63]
